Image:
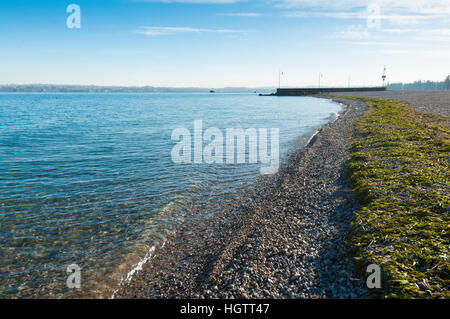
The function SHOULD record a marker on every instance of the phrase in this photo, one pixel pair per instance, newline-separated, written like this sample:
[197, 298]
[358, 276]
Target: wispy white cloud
[410, 6]
[428, 53]
[362, 15]
[395, 11]
[193, 1]
[434, 38]
[359, 32]
[242, 14]
[354, 32]
[375, 43]
[443, 32]
[428, 34]
[156, 31]
[413, 19]
[399, 31]
[435, 35]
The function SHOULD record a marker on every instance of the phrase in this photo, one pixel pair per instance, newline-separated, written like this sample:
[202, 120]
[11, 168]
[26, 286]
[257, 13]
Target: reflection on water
[87, 179]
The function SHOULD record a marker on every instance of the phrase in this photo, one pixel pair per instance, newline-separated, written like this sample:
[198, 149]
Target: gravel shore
[283, 238]
[437, 102]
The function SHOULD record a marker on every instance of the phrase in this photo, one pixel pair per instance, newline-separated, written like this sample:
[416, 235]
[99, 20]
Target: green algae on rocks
[399, 170]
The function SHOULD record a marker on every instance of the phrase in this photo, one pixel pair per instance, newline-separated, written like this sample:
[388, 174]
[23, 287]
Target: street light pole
[280, 73]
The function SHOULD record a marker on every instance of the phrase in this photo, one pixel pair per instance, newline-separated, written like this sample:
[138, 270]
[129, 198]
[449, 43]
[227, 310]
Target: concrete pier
[312, 91]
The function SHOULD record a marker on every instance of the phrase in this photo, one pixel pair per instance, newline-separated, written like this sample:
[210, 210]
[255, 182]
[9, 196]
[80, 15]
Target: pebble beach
[282, 238]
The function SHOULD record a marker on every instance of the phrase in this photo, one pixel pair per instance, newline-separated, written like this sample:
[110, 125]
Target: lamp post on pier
[280, 73]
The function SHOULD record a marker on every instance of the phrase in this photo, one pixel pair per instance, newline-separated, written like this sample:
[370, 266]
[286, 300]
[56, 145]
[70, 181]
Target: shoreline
[289, 238]
[299, 143]
[202, 261]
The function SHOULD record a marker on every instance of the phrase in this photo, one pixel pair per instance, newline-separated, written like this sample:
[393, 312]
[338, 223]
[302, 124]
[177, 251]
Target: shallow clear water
[88, 179]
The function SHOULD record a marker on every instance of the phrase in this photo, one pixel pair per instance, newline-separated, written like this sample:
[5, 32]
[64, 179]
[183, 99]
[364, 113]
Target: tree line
[421, 85]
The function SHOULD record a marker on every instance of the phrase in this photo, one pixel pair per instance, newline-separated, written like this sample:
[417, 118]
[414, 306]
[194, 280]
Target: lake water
[88, 179]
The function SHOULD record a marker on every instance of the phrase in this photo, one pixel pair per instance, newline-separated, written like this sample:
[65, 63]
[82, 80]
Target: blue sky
[207, 43]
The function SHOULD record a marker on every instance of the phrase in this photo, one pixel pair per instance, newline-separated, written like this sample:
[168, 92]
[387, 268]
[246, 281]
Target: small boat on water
[212, 91]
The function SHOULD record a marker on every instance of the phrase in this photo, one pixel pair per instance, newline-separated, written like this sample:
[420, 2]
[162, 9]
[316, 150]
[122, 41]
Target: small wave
[168, 211]
[312, 137]
[334, 116]
[135, 269]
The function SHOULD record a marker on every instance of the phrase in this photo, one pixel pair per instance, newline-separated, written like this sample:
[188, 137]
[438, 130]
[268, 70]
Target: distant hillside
[420, 85]
[49, 88]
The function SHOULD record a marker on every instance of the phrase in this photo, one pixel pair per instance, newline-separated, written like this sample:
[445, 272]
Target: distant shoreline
[76, 88]
[50, 88]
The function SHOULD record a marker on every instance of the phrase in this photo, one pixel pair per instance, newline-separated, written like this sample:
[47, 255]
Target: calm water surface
[88, 179]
